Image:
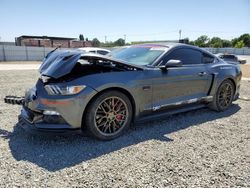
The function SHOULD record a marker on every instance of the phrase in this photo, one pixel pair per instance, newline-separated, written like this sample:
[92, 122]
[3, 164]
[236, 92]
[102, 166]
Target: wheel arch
[228, 78]
[233, 81]
[120, 89]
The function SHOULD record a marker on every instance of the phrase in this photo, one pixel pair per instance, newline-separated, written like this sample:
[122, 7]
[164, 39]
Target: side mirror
[171, 63]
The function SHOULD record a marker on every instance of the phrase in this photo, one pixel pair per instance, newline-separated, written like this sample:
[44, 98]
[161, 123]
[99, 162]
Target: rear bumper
[24, 121]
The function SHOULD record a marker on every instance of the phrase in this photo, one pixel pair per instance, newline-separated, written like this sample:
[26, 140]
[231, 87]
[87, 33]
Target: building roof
[45, 37]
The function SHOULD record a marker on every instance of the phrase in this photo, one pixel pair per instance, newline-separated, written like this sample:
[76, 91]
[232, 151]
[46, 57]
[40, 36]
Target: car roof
[166, 44]
[170, 45]
[93, 48]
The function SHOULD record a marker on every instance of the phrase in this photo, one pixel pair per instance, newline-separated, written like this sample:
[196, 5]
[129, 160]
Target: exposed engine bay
[68, 66]
[87, 66]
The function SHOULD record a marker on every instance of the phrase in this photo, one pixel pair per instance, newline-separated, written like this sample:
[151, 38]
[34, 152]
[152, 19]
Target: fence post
[26, 52]
[44, 52]
[4, 55]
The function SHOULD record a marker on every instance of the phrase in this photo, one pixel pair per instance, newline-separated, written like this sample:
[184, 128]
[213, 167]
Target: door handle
[202, 73]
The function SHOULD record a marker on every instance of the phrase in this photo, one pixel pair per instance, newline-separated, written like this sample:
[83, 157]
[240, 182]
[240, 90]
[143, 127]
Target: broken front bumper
[10, 99]
[24, 121]
[45, 113]
[38, 123]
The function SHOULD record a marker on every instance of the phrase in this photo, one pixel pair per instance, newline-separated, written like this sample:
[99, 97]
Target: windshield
[139, 55]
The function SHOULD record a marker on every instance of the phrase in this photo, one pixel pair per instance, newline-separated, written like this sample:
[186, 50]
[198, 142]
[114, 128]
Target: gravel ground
[201, 148]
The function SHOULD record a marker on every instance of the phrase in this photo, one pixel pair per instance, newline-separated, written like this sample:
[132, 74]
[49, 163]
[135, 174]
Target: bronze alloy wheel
[225, 95]
[111, 115]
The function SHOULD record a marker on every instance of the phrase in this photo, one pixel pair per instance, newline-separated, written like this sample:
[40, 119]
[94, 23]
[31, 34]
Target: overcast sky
[137, 19]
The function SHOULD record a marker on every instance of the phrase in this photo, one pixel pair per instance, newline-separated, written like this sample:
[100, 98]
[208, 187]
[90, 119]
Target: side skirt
[165, 113]
[159, 112]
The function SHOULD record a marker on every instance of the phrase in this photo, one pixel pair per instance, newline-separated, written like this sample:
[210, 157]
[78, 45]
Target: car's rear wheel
[224, 96]
[109, 115]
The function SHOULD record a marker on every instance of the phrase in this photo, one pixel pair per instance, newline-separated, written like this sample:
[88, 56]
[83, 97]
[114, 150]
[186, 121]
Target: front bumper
[69, 110]
[34, 123]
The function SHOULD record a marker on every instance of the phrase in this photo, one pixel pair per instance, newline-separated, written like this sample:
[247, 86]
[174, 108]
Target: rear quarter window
[206, 58]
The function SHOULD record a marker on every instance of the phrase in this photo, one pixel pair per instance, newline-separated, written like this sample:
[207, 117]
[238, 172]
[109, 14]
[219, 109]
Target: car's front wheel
[108, 115]
[224, 96]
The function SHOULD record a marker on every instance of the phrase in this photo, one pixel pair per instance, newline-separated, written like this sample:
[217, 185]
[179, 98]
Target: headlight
[67, 90]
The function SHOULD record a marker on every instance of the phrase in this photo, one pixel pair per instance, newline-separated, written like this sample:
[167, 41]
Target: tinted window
[102, 52]
[92, 51]
[187, 56]
[207, 58]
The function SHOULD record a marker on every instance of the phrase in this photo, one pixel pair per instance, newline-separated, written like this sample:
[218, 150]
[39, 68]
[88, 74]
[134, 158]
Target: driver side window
[185, 55]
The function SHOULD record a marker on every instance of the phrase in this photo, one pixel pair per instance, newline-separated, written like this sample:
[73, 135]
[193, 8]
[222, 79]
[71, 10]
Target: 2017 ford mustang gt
[103, 95]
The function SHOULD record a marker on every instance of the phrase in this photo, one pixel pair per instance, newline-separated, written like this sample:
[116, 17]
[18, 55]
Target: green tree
[81, 37]
[216, 42]
[246, 39]
[226, 43]
[234, 41]
[191, 43]
[119, 42]
[239, 44]
[96, 42]
[202, 41]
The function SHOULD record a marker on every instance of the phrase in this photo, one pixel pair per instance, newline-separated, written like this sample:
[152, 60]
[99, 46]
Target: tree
[96, 42]
[81, 37]
[226, 43]
[245, 38]
[119, 42]
[239, 44]
[216, 42]
[234, 41]
[202, 41]
[184, 41]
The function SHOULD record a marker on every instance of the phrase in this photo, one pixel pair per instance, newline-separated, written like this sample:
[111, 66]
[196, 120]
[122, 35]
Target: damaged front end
[36, 116]
[58, 100]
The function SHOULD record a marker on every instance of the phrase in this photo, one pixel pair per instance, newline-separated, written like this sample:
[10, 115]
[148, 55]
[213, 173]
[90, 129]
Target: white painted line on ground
[19, 67]
[248, 79]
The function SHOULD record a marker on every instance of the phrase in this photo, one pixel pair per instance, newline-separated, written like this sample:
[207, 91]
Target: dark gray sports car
[105, 94]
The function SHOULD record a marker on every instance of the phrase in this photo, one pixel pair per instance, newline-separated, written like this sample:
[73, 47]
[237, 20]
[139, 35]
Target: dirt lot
[201, 148]
[245, 71]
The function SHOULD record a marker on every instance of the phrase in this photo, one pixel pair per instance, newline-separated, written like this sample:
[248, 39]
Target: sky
[137, 19]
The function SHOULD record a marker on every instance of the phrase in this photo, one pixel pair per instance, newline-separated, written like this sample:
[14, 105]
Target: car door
[175, 85]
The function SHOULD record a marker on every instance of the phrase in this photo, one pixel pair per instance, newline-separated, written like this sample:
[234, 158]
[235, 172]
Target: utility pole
[105, 38]
[180, 34]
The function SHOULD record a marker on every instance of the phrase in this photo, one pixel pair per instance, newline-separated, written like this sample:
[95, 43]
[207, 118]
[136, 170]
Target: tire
[108, 115]
[224, 96]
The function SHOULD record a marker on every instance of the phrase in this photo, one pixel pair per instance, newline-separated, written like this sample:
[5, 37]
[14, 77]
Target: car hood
[60, 63]
[232, 62]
